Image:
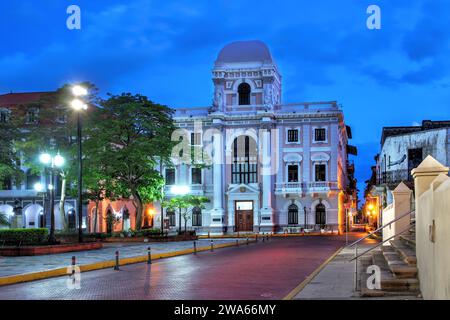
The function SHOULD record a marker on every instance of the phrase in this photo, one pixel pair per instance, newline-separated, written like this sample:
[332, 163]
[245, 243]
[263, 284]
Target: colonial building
[25, 206]
[265, 165]
[403, 149]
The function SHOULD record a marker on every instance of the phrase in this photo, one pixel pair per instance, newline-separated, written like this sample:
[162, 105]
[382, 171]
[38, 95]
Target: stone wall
[432, 186]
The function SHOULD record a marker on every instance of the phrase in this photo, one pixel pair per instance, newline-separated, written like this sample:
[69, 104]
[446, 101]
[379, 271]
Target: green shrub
[23, 236]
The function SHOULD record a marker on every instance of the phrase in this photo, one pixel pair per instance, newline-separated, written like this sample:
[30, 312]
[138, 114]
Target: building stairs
[398, 265]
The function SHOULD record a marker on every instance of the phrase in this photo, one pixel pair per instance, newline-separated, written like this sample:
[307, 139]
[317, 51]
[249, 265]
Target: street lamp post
[52, 163]
[306, 217]
[39, 188]
[180, 191]
[79, 105]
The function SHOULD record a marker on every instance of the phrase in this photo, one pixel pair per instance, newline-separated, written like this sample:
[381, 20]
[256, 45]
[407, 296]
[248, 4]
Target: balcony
[394, 177]
[288, 187]
[322, 186]
[299, 187]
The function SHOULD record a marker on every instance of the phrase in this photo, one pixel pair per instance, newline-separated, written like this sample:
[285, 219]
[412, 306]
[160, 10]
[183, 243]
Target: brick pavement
[268, 270]
[18, 265]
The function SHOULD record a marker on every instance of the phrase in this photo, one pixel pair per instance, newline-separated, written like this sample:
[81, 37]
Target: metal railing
[355, 243]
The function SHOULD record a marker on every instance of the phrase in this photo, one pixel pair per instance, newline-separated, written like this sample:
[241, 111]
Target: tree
[188, 203]
[9, 155]
[136, 134]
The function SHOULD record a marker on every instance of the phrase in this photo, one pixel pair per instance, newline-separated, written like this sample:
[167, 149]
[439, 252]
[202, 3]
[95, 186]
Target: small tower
[245, 76]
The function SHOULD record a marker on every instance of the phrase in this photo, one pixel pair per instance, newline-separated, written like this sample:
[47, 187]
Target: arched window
[293, 214]
[244, 166]
[171, 216]
[244, 93]
[196, 217]
[320, 214]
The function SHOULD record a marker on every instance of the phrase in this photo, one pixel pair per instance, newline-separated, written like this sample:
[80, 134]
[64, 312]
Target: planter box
[50, 249]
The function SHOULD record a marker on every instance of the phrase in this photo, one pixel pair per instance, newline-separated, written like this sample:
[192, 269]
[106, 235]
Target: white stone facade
[294, 156]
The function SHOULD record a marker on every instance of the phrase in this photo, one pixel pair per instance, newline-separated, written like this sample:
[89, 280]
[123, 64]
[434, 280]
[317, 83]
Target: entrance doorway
[243, 215]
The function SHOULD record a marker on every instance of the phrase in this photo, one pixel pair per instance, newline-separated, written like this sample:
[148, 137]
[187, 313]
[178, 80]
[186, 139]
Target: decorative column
[266, 212]
[217, 213]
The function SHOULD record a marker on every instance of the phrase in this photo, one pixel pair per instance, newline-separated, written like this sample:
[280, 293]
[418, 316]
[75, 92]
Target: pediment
[243, 188]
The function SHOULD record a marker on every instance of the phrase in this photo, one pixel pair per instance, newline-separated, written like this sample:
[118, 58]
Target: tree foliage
[136, 135]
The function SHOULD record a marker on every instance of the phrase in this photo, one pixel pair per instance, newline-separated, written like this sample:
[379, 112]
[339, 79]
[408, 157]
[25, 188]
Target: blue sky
[398, 75]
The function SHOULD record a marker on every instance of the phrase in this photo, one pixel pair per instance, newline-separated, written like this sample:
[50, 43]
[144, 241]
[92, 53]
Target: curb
[39, 275]
[291, 295]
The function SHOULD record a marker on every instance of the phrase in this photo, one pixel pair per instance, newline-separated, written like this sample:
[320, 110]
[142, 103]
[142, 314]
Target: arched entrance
[293, 214]
[8, 211]
[33, 214]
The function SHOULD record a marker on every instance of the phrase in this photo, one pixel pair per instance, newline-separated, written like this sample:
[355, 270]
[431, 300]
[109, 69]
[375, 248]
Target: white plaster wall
[433, 142]
[433, 258]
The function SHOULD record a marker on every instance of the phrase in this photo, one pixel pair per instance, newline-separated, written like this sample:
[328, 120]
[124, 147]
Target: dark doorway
[415, 157]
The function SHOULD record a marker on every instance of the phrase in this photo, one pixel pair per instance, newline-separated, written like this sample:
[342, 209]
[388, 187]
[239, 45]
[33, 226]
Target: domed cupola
[245, 78]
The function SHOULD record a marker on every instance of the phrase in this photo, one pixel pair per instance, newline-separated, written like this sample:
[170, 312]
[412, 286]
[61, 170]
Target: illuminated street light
[79, 105]
[45, 158]
[79, 91]
[38, 187]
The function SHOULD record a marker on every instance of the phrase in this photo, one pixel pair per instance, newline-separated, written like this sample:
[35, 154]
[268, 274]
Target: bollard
[212, 245]
[247, 240]
[237, 243]
[263, 237]
[116, 267]
[74, 262]
[267, 235]
[256, 238]
[149, 255]
[195, 247]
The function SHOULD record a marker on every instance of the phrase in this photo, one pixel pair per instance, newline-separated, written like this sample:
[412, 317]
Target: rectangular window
[292, 135]
[170, 176]
[320, 134]
[321, 174]
[196, 139]
[32, 115]
[292, 173]
[4, 116]
[197, 217]
[196, 176]
[171, 216]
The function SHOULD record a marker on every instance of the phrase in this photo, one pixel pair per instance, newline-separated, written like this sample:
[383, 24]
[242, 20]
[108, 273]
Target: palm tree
[4, 219]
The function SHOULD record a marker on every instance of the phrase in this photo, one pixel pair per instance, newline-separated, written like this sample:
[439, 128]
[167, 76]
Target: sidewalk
[335, 280]
[20, 265]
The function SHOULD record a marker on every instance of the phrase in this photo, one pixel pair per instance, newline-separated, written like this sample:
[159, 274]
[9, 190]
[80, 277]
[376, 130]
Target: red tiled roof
[21, 98]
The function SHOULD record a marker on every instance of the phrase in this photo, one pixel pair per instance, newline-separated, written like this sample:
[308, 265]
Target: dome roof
[245, 51]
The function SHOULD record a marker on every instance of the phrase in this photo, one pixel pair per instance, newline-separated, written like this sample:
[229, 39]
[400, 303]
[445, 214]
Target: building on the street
[25, 206]
[403, 149]
[309, 177]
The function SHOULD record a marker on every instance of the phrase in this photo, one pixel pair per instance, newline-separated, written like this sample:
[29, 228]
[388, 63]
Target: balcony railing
[288, 187]
[394, 176]
[296, 187]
